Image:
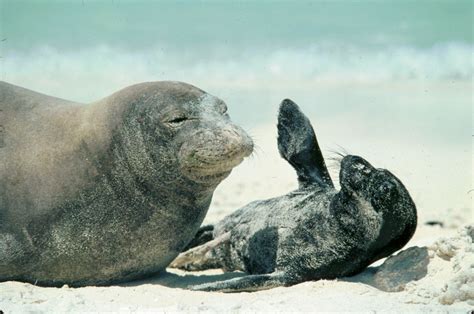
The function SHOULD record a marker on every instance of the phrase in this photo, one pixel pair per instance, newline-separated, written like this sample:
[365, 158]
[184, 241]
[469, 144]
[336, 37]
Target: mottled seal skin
[110, 191]
[315, 232]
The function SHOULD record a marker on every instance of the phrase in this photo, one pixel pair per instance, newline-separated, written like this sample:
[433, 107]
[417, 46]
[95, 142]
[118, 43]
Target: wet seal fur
[315, 232]
[110, 191]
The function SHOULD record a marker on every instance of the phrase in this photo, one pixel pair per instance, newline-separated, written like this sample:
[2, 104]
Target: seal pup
[315, 232]
[110, 191]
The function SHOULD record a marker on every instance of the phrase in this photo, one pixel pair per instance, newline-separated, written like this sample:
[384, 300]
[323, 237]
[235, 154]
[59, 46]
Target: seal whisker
[257, 151]
[343, 150]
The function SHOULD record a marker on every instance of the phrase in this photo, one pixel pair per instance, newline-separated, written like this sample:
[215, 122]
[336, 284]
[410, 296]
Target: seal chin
[208, 179]
[211, 174]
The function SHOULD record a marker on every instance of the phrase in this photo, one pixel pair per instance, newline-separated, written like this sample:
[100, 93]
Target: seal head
[384, 194]
[188, 132]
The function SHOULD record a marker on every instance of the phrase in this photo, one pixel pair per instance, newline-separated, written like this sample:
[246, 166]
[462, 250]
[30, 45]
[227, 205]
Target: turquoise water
[390, 80]
[137, 25]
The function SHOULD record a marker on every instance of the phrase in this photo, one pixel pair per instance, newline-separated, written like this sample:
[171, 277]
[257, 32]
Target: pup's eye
[387, 188]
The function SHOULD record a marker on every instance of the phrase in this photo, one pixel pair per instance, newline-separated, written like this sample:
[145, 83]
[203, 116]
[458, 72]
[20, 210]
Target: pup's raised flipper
[246, 284]
[298, 145]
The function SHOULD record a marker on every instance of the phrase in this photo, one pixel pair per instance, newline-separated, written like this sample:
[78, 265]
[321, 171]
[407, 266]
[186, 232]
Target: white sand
[441, 280]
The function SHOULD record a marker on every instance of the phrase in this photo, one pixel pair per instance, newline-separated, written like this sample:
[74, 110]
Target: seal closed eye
[315, 232]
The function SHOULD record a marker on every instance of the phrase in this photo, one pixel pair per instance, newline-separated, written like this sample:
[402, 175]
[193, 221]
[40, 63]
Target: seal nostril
[358, 166]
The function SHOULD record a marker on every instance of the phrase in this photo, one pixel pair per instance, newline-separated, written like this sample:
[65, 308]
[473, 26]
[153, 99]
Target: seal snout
[355, 173]
[210, 154]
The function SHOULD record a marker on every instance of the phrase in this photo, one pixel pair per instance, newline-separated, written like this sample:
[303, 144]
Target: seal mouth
[206, 173]
[210, 178]
[209, 156]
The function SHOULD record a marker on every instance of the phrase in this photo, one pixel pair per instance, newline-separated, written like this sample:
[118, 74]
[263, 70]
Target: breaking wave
[103, 69]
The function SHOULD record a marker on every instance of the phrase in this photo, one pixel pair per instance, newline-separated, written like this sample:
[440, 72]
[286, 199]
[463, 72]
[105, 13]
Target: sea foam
[103, 69]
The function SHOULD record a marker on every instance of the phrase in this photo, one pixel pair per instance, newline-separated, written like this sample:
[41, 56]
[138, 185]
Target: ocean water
[391, 81]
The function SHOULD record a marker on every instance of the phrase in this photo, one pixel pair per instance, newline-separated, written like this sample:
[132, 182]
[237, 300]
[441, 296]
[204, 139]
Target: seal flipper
[204, 256]
[246, 284]
[203, 235]
[298, 145]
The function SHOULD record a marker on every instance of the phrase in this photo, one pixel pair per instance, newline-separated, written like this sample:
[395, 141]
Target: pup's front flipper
[205, 256]
[204, 234]
[246, 284]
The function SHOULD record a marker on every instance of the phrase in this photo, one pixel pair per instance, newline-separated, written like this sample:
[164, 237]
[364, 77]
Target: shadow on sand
[184, 280]
[396, 271]
[390, 275]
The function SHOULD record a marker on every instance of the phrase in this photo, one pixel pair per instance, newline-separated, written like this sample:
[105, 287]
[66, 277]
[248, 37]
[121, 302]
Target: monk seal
[109, 191]
[315, 232]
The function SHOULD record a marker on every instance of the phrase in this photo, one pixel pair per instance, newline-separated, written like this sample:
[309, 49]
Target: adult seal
[315, 232]
[109, 191]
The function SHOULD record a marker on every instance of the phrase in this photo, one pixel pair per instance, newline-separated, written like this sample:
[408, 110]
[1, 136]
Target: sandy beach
[441, 289]
[434, 272]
